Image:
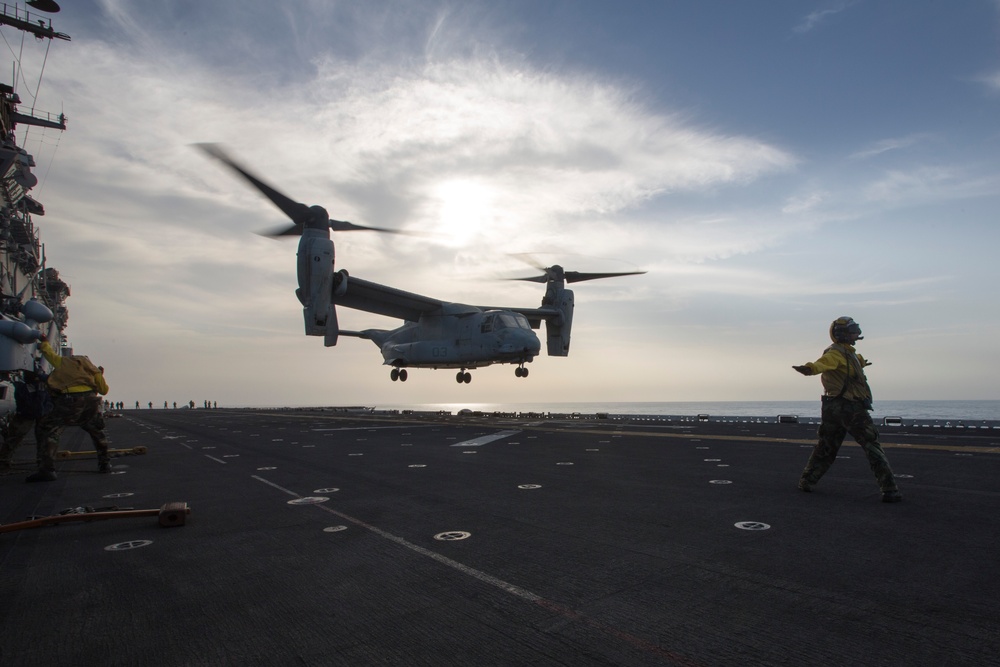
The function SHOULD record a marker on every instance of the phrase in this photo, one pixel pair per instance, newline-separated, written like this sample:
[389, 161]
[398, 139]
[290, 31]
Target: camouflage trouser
[840, 417]
[83, 410]
[13, 428]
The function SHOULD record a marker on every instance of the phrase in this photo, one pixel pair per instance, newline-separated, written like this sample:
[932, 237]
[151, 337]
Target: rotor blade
[300, 214]
[529, 259]
[344, 226]
[285, 230]
[297, 212]
[335, 225]
[577, 277]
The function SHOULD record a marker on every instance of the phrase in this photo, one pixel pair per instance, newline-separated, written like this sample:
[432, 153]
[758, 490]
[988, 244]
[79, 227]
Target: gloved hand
[805, 370]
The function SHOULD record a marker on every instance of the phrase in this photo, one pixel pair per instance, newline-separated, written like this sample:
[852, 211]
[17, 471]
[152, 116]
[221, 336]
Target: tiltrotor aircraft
[435, 334]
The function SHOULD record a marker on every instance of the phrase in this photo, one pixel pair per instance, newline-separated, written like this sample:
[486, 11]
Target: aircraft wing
[535, 315]
[384, 300]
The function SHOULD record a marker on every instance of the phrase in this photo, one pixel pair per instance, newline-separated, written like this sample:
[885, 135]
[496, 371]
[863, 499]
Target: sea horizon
[954, 410]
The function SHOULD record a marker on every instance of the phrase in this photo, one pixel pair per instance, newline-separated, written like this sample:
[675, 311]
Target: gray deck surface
[623, 551]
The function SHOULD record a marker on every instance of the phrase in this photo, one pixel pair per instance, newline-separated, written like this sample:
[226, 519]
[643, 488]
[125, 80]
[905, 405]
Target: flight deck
[331, 537]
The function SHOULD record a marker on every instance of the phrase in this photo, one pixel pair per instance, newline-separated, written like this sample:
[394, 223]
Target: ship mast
[32, 296]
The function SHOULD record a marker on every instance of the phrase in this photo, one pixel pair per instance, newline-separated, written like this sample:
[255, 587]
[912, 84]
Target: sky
[770, 165]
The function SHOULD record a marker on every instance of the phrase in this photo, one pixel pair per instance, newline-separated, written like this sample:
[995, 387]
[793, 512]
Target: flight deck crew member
[31, 403]
[847, 399]
[76, 386]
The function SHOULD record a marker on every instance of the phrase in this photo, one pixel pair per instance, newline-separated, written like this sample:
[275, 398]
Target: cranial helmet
[842, 327]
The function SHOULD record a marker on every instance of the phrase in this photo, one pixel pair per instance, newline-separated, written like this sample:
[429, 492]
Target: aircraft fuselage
[460, 341]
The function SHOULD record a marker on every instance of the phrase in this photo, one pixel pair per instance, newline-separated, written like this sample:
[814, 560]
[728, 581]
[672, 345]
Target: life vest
[848, 381]
[77, 373]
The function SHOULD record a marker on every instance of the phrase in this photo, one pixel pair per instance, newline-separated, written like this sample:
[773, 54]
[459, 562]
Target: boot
[891, 496]
[42, 475]
[104, 465]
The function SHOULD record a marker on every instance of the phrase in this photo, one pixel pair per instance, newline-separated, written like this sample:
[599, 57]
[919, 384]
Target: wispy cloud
[990, 81]
[930, 183]
[803, 203]
[887, 145]
[480, 152]
[814, 19]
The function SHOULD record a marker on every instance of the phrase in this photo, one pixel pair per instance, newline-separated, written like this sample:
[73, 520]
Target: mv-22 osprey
[435, 334]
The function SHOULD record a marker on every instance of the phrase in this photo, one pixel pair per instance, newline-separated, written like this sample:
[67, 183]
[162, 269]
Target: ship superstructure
[32, 294]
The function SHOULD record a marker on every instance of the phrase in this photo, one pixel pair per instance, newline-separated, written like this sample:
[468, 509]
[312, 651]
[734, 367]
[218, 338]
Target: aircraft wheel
[460, 377]
[394, 375]
[465, 377]
[403, 375]
[524, 372]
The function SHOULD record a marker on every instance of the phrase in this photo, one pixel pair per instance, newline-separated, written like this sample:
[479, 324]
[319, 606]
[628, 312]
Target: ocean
[968, 411]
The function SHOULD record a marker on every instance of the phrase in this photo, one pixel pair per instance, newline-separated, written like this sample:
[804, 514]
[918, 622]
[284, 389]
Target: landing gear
[463, 376]
[521, 372]
[398, 374]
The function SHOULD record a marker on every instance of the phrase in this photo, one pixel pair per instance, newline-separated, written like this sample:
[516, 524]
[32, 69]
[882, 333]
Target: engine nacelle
[558, 330]
[315, 274]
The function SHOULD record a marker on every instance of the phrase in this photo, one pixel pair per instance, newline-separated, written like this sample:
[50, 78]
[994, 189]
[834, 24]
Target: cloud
[803, 203]
[484, 150]
[990, 81]
[887, 145]
[495, 150]
[816, 18]
[716, 279]
[930, 183]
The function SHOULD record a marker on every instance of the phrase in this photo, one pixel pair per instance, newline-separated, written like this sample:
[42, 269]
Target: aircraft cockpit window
[512, 321]
[487, 325]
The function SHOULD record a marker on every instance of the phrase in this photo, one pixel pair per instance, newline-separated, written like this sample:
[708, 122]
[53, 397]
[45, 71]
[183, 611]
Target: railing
[23, 20]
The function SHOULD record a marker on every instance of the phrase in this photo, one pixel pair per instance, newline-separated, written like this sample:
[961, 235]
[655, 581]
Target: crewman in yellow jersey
[76, 386]
[847, 399]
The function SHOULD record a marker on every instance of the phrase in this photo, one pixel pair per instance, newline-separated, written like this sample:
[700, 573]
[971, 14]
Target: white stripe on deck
[485, 439]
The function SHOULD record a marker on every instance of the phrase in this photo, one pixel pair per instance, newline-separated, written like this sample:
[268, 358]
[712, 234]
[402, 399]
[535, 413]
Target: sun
[462, 209]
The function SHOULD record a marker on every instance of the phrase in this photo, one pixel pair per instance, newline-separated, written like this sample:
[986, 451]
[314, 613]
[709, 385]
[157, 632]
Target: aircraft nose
[521, 341]
[530, 341]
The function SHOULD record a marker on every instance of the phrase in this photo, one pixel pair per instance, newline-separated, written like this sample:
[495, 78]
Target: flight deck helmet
[842, 328]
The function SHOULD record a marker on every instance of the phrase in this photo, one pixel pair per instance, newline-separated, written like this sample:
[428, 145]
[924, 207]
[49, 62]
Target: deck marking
[465, 569]
[207, 456]
[308, 500]
[125, 546]
[805, 443]
[517, 591]
[485, 439]
[751, 525]
[452, 535]
[368, 428]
